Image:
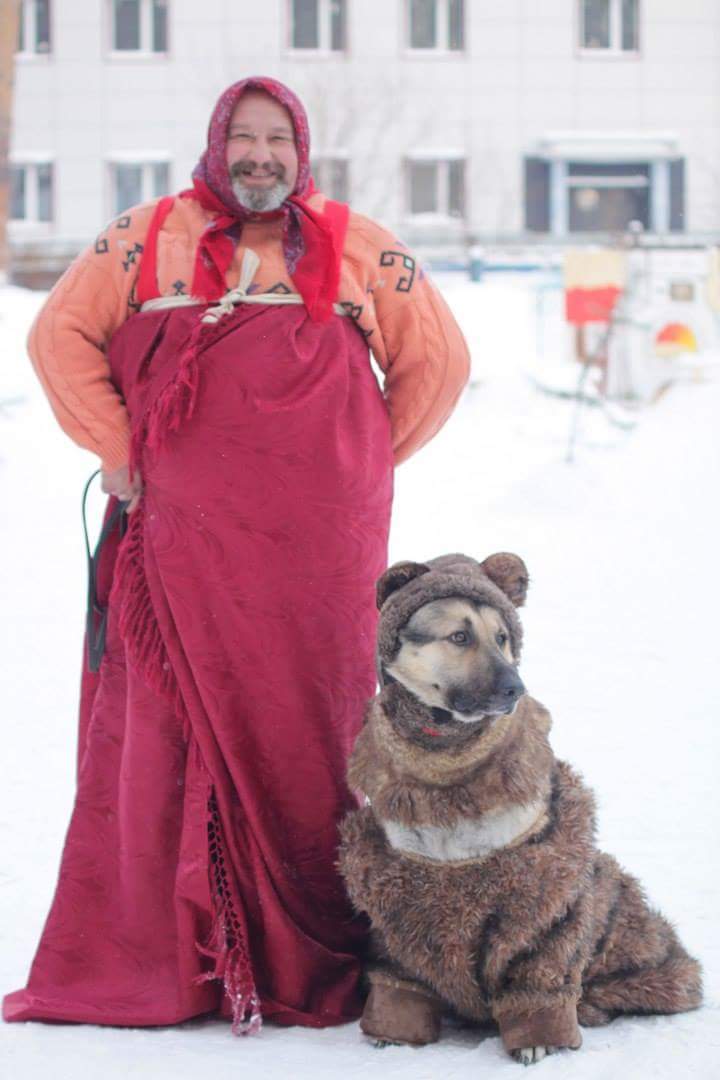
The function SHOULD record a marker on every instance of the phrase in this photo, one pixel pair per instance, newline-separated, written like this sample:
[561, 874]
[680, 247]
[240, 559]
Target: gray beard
[260, 200]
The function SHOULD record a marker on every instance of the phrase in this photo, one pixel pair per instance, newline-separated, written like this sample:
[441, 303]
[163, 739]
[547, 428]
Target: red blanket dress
[199, 866]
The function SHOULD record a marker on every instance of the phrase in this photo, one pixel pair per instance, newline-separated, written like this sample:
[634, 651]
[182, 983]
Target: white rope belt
[238, 295]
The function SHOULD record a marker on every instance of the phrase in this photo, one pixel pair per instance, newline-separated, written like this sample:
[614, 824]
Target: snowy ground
[621, 645]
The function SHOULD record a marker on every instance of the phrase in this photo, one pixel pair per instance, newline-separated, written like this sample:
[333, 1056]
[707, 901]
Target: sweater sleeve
[416, 342]
[69, 337]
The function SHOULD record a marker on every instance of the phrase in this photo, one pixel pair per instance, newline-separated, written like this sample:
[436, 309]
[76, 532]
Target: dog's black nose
[510, 686]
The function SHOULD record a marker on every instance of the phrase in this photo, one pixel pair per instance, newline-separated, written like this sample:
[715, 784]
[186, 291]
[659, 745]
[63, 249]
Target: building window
[134, 182]
[34, 27]
[139, 26]
[436, 24]
[31, 192]
[437, 187]
[593, 196]
[332, 176]
[318, 24]
[607, 197]
[609, 26]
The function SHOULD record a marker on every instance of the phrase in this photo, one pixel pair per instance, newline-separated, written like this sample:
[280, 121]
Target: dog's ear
[395, 577]
[510, 575]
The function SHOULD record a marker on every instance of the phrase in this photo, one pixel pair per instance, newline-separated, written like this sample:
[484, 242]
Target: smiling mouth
[246, 173]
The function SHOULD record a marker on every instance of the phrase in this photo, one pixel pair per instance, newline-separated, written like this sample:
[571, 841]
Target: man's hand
[118, 483]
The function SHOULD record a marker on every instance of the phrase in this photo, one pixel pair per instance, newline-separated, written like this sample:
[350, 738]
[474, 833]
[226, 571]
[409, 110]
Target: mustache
[244, 168]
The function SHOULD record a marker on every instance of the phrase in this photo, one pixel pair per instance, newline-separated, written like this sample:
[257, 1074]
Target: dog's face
[455, 654]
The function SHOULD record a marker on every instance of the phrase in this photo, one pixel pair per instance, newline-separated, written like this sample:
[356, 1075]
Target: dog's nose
[511, 686]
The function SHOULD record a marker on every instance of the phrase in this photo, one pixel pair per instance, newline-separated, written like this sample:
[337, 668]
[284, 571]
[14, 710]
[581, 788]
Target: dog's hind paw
[530, 1055]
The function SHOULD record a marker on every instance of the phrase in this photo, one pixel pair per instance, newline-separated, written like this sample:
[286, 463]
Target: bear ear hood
[501, 581]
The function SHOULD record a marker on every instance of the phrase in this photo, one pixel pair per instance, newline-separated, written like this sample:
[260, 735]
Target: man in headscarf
[212, 349]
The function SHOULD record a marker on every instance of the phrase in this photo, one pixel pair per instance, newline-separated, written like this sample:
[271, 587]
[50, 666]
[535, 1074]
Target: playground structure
[617, 326]
[643, 316]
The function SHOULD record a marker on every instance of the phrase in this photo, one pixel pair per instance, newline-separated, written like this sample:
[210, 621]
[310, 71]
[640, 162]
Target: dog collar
[441, 716]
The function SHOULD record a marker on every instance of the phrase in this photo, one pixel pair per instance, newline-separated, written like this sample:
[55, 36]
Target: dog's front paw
[529, 1055]
[397, 1016]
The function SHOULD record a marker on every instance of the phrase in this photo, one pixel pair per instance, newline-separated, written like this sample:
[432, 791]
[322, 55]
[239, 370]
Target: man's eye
[501, 637]
[459, 638]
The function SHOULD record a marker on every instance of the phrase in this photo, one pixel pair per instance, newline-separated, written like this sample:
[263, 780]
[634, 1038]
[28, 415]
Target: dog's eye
[501, 637]
[459, 638]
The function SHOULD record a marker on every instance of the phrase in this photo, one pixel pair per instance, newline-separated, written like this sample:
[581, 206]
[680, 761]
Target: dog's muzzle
[505, 696]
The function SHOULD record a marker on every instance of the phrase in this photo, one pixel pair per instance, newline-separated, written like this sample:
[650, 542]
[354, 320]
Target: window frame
[324, 48]
[443, 161]
[146, 161]
[637, 180]
[560, 183]
[548, 158]
[614, 50]
[442, 23]
[31, 163]
[27, 16]
[145, 52]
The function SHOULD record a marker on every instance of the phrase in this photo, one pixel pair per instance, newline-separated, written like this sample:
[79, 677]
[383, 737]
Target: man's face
[260, 152]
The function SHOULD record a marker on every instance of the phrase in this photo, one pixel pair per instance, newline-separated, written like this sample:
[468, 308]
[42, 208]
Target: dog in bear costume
[475, 856]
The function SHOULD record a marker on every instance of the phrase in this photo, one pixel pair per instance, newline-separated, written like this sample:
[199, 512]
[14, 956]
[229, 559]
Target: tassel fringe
[136, 617]
[227, 945]
[174, 403]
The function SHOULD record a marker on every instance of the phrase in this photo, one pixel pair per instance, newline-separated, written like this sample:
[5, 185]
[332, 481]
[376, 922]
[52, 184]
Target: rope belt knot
[239, 295]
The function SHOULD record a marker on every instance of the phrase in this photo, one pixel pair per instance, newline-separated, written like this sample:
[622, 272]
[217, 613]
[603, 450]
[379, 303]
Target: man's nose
[260, 150]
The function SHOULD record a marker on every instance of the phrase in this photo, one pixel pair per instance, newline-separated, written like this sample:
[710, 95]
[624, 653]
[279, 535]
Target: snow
[621, 645]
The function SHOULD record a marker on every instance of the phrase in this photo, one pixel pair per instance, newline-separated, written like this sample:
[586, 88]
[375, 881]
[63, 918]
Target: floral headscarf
[312, 240]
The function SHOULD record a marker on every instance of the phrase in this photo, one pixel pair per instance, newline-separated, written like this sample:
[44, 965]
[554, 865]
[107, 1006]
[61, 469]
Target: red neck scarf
[312, 241]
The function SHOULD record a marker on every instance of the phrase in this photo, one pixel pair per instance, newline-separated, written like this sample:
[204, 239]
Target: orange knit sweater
[408, 326]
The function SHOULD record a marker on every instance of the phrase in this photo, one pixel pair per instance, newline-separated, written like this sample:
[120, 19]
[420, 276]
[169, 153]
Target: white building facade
[451, 121]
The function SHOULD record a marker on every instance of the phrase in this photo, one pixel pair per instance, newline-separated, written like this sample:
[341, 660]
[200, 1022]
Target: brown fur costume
[536, 935]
